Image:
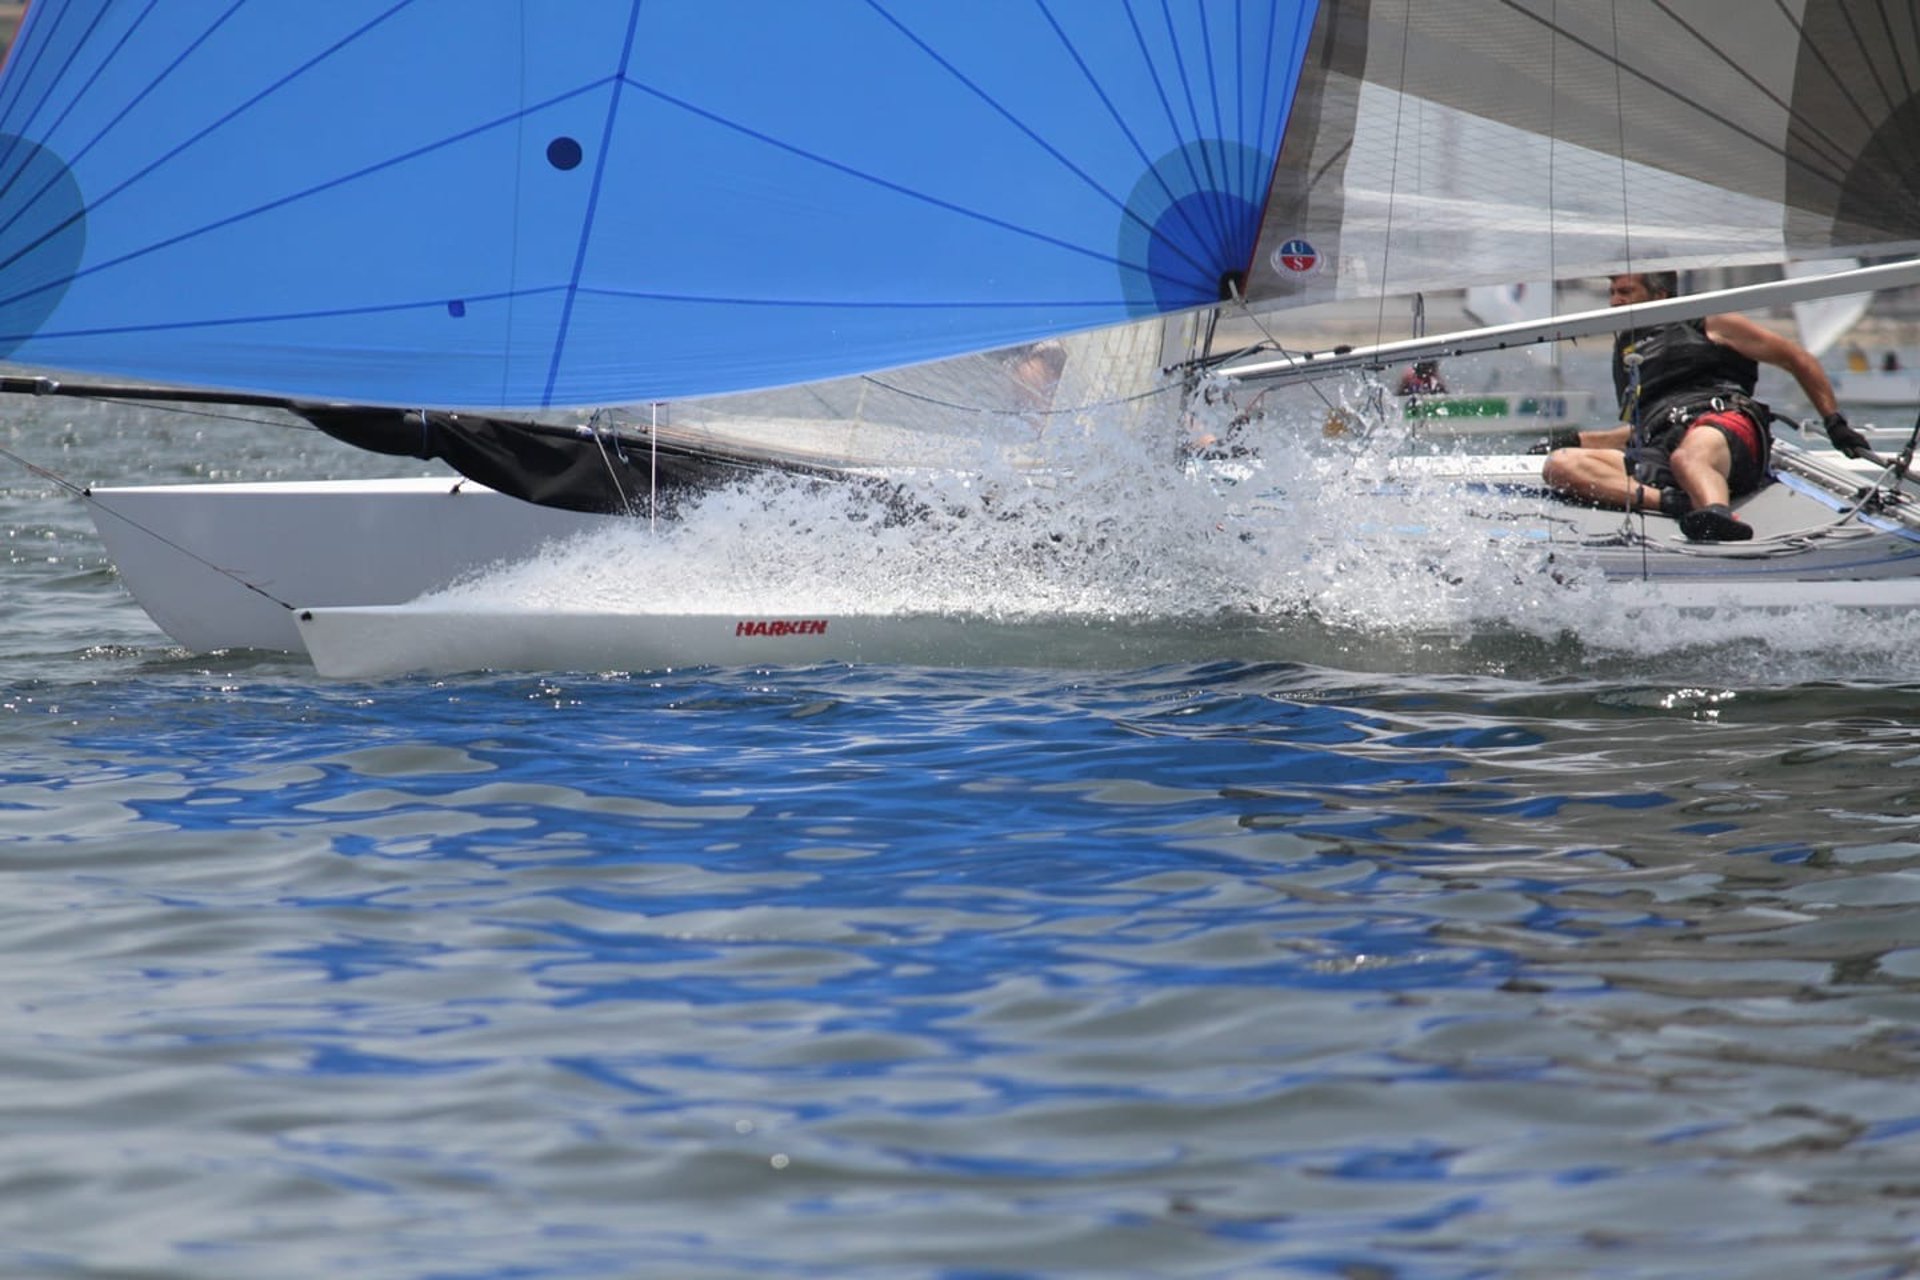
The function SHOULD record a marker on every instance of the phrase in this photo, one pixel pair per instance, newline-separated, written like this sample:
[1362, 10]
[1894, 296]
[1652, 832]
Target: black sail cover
[608, 470]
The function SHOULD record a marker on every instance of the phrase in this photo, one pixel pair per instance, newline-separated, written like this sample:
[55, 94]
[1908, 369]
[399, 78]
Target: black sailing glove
[1846, 438]
[1562, 439]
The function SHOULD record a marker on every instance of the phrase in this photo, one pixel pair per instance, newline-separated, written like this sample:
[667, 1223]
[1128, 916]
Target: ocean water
[1546, 950]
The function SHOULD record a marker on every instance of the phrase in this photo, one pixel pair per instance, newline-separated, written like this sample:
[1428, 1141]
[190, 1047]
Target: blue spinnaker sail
[520, 203]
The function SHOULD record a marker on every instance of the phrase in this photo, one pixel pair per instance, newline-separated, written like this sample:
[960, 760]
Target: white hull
[222, 566]
[338, 565]
[369, 642]
[441, 636]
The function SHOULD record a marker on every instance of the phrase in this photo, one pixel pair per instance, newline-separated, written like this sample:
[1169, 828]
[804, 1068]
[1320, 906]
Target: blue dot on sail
[1190, 225]
[41, 210]
[564, 153]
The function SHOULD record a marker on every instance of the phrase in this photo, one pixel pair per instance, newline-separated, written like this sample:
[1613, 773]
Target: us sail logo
[1296, 258]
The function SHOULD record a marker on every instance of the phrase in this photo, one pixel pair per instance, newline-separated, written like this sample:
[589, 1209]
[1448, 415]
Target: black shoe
[1716, 523]
[1675, 502]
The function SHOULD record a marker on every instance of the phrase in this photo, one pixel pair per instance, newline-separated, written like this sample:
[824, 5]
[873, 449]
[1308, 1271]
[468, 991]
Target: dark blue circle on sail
[41, 211]
[564, 153]
[1190, 225]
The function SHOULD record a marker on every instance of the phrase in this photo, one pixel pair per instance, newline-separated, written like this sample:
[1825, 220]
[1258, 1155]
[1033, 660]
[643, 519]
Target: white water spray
[1111, 523]
[1310, 525]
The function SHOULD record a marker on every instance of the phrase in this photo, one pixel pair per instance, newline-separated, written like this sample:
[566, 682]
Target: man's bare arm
[1767, 347]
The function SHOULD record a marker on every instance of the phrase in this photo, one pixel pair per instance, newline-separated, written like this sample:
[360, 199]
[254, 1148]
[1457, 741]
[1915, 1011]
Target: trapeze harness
[1685, 379]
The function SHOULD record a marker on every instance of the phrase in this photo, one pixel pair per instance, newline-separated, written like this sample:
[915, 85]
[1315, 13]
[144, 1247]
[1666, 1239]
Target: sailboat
[1539, 402]
[1824, 321]
[463, 229]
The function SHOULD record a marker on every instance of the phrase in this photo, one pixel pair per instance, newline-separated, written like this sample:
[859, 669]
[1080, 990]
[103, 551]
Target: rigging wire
[1292, 360]
[1393, 173]
[1620, 119]
[52, 477]
[613, 472]
[1553, 158]
[987, 411]
[288, 423]
[86, 495]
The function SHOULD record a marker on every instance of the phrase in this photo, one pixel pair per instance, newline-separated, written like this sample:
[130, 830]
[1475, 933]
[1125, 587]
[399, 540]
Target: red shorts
[1743, 441]
[1746, 447]
[1744, 444]
[1732, 423]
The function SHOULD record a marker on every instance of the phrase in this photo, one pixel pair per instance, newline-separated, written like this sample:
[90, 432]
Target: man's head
[1641, 286]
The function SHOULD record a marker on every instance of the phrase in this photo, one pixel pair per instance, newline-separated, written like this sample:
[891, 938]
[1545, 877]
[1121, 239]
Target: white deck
[222, 566]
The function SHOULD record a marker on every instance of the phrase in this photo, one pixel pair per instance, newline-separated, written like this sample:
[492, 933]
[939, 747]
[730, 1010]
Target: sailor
[1035, 369]
[1694, 436]
[1423, 379]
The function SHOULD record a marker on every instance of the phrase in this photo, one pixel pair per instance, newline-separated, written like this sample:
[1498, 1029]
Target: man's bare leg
[1600, 475]
[1701, 464]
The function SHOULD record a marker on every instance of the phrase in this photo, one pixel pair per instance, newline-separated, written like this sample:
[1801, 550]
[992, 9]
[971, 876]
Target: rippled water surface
[1494, 957]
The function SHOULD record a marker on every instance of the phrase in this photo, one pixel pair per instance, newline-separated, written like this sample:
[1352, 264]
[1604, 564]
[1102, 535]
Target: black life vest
[1681, 368]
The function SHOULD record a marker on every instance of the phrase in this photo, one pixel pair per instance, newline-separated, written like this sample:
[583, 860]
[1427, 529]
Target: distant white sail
[1824, 321]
